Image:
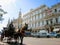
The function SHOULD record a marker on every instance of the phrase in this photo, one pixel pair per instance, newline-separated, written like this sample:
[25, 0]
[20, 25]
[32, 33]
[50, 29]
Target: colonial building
[43, 17]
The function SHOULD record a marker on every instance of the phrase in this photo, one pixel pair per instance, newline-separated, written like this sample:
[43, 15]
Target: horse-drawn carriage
[11, 34]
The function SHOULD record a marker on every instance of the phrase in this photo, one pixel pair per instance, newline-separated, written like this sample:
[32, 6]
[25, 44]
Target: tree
[11, 29]
[51, 28]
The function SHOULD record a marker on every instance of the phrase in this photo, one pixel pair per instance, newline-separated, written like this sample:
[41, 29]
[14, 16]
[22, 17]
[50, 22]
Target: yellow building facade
[18, 22]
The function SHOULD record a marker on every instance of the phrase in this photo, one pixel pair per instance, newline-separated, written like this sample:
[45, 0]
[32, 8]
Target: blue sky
[13, 7]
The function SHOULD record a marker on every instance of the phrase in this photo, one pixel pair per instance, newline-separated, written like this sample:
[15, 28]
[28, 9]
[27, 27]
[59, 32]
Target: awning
[57, 29]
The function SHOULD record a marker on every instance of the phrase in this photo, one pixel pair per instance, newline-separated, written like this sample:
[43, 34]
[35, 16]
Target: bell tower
[20, 14]
[20, 19]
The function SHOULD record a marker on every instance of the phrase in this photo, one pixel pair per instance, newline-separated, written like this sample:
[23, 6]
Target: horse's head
[25, 27]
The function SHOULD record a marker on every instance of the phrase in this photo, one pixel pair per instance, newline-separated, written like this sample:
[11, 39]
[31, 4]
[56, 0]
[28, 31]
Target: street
[39, 41]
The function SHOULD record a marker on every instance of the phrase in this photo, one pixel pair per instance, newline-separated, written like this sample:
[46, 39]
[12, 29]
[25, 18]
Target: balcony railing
[52, 14]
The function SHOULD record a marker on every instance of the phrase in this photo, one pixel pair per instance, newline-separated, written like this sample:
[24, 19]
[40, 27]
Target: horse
[21, 33]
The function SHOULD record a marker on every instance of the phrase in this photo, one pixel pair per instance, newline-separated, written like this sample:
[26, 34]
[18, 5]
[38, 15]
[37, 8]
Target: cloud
[8, 5]
[7, 2]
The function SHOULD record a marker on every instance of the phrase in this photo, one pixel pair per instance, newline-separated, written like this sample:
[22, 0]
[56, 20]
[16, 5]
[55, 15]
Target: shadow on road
[15, 43]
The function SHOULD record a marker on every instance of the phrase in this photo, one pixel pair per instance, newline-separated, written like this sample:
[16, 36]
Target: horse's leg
[21, 37]
[15, 37]
[2, 38]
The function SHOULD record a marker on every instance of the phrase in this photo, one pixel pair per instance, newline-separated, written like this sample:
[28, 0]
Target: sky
[12, 7]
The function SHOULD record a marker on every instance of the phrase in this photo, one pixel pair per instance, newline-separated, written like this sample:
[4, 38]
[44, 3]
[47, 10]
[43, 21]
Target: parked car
[27, 34]
[34, 34]
[52, 34]
[43, 33]
[58, 35]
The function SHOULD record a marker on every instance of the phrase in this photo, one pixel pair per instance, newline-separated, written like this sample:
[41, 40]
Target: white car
[43, 33]
[35, 34]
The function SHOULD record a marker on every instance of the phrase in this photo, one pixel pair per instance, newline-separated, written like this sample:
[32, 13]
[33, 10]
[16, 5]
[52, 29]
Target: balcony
[51, 15]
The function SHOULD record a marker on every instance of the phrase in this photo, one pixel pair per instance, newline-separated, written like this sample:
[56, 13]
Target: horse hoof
[21, 44]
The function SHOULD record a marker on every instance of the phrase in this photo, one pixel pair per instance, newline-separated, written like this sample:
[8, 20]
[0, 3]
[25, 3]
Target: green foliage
[11, 29]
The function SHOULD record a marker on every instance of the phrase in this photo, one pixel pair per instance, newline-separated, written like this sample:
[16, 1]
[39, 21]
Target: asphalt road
[38, 41]
[41, 41]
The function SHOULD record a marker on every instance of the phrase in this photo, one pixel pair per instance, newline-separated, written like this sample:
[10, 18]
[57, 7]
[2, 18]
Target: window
[55, 10]
[28, 26]
[40, 16]
[44, 15]
[32, 25]
[33, 17]
[59, 19]
[39, 23]
[59, 10]
[36, 12]
[56, 20]
[36, 17]
[35, 24]
[51, 21]
[42, 22]
[47, 22]
[40, 11]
